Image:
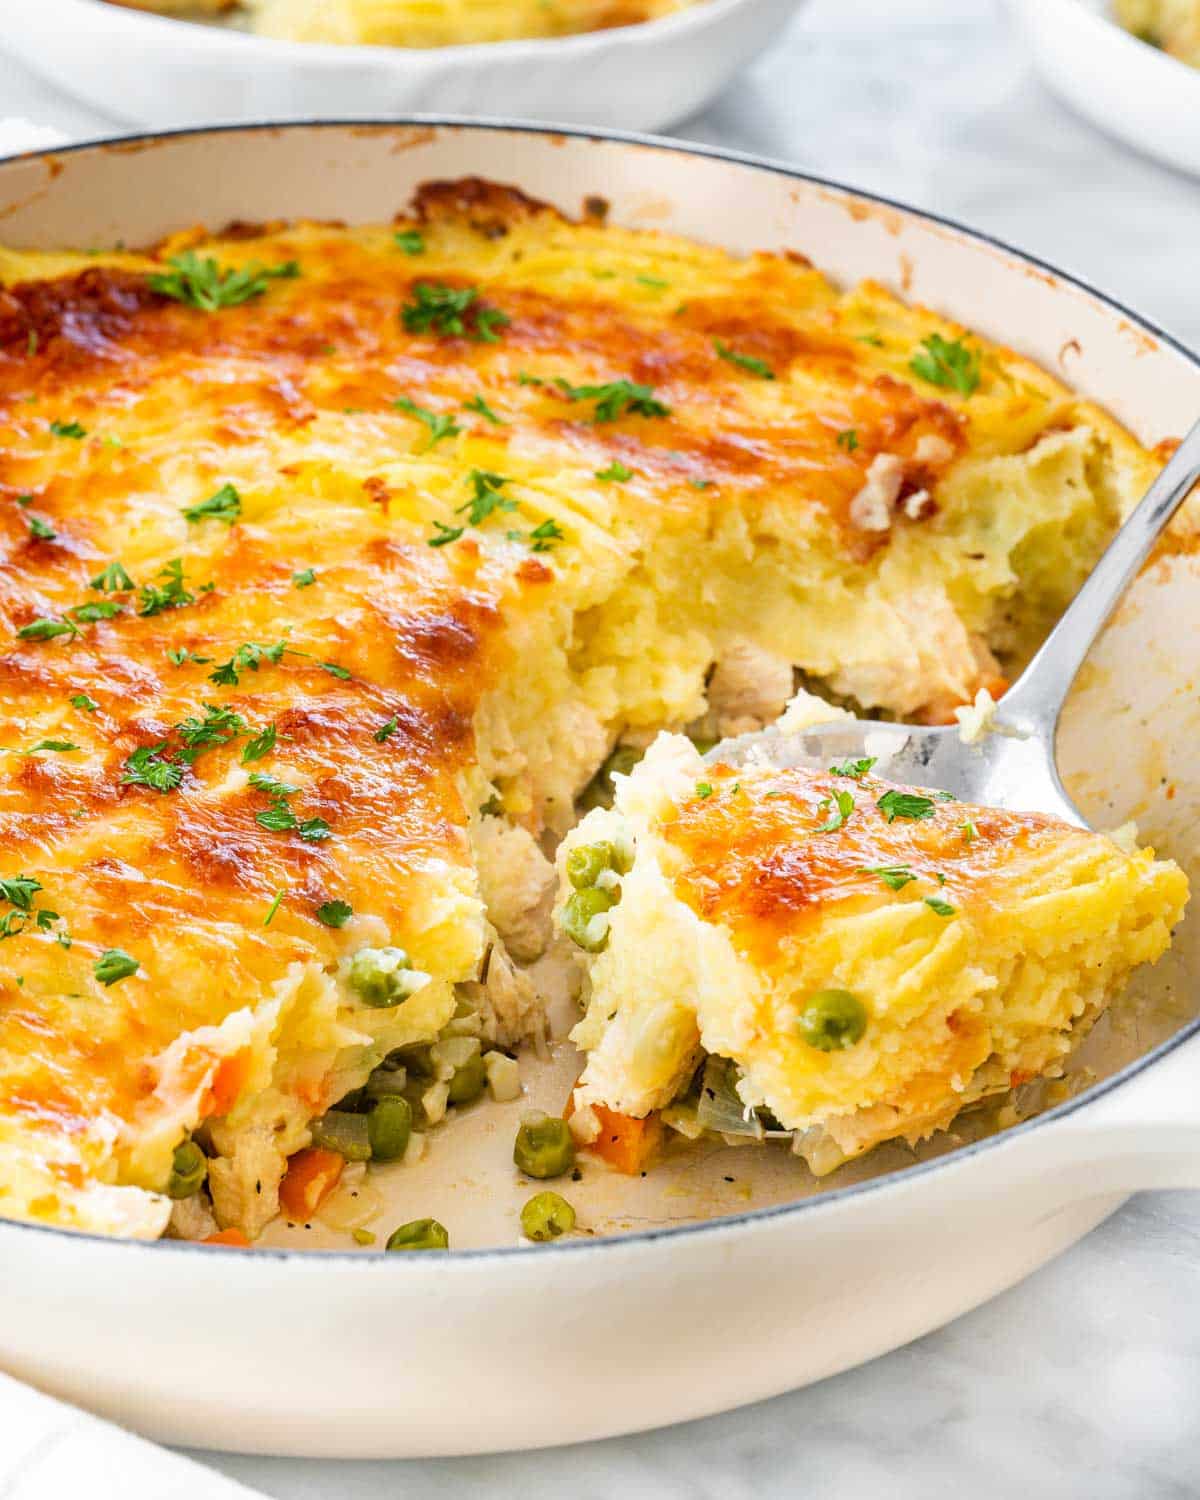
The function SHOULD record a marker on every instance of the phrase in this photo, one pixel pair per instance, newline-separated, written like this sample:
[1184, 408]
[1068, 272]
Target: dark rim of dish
[725, 1223]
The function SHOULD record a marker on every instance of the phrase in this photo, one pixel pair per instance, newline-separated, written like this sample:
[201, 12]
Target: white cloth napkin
[49, 1450]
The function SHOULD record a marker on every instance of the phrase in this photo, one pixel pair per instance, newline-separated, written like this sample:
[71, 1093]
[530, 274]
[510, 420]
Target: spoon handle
[1035, 700]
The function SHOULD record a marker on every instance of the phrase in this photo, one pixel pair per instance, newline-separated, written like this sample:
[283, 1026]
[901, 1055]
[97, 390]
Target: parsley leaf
[411, 241]
[948, 363]
[855, 769]
[452, 312]
[146, 767]
[114, 580]
[182, 654]
[653, 281]
[249, 657]
[113, 965]
[84, 703]
[440, 424]
[748, 362]
[969, 832]
[334, 913]
[200, 282]
[335, 670]
[304, 579]
[486, 497]
[478, 404]
[895, 877]
[274, 907]
[935, 903]
[263, 781]
[46, 630]
[615, 399]
[19, 890]
[615, 473]
[217, 727]
[848, 439]
[524, 378]
[278, 818]
[95, 609]
[445, 534]
[895, 804]
[262, 744]
[841, 805]
[225, 505]
[313, 830]
[704, 790]
[173, 593]
[59, 745]
[544, 536]
[385, 731]
[68, 430]
[41, 530]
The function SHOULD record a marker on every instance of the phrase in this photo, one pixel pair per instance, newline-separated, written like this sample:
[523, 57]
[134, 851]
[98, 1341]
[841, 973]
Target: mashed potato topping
[335, 561]
[953, 950]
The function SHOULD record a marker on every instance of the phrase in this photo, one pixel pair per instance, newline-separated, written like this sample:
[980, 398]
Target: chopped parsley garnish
[263, 781]
[948, 363]
[182, 654]
[615, 399]
[261, 745]
[385, 731]
[334, 670]
[704, 790]
[895, 877]
[279, 817]
[654, 281]
[225, 505]
[700, 484]
[85, 704]
[486, 496]
[217, 727]
[41, 530]
[895, 804]
[68, 430]
[942, 796]
[452, 312]
[545, 535]
[304, 579]
[616, 473]
[525, 378]
[274, 907]
[440, 425]
[95, 609]
[113, 965]
[839, 806]
[24, 500]
[146, 767]
[46, 630]
[200, 282]
[748, 362]
[334, 913]
[848, 439]
[855, 769]
[172, 593]
[478, 404]
[969, 832]
[411, 241]
[62, 746]
[19, 890]
[935, 903]
[247, 658]
[445, 534]
[871, 338]
[114, 580]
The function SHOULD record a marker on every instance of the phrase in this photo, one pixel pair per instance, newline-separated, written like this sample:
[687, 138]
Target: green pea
[347, 1134]
[189, 1168]
[587, 862]
[546, 1216]
[419, 1234]
[832, 1019]
[468, 1082]
[544, 1147]
[579, 919]
[599, 791]
[389, 1126]
[381, 977]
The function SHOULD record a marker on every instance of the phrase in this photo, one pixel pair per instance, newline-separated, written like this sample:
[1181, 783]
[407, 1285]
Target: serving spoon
[1013, 766]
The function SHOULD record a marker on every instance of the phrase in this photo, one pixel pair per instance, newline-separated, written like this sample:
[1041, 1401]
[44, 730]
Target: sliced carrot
[227, 1083]
[233, 1237]
[625, 1143]
[311, 1176]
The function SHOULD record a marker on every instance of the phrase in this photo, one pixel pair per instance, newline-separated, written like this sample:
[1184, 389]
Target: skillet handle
[1144, 1133]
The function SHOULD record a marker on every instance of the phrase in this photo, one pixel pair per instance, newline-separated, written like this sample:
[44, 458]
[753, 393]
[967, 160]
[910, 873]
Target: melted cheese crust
[497, 667]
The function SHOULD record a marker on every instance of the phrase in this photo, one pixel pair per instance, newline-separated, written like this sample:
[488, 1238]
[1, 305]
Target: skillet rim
[726, 1223]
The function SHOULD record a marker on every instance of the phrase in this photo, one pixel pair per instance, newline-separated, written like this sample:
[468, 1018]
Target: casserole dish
[787, 1291]
[1127, 87]
[151, 70]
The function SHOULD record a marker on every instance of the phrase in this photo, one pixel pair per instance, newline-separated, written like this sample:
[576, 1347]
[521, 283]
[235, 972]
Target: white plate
[147, 70]
[1121, 84]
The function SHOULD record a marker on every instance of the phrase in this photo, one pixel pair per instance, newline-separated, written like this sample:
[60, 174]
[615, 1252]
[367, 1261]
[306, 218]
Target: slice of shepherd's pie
[857, 961]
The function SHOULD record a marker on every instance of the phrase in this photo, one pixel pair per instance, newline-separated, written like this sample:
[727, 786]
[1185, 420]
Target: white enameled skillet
[671, 1315]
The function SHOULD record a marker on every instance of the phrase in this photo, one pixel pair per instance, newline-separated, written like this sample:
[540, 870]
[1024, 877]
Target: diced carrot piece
[625, 1143]
[233, 1237]
[311, 1176]
[227, 1083]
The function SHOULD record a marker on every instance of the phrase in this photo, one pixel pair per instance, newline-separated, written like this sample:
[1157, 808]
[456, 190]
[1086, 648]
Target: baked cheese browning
[316, 541]
[872, 958]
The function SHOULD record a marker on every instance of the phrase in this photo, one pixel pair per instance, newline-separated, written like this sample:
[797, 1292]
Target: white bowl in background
[148, 70]
[1123, 85]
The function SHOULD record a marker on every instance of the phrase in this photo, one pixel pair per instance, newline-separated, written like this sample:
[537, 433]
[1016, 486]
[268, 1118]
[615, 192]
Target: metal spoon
[1013, 767]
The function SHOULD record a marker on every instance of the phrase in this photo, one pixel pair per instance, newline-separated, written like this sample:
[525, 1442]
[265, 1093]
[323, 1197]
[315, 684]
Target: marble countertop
[1084, 1380]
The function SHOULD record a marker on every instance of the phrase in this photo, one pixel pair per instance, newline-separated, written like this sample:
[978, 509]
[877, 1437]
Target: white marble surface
[1084, 1381]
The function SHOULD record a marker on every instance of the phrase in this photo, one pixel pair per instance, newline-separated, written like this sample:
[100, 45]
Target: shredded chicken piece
[871, 508]
[517, 883]
[507, 1002]
[749, 688]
